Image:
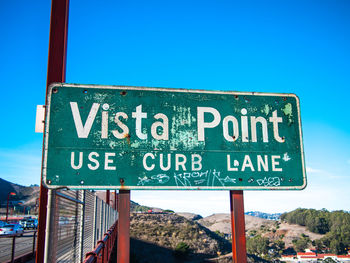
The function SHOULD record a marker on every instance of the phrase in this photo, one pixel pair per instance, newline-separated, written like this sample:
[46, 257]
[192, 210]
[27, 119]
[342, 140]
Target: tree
[219, 233]
[320, 225]
[301, 244]
[335, 225]
[258, 245]
[278, 246]
[336, 246]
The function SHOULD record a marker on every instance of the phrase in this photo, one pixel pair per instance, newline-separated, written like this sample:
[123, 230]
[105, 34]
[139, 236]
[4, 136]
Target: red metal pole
[123, 251]
[7, 207]
[115, 200]
[239, 251]
[108, 197]
[56, 72]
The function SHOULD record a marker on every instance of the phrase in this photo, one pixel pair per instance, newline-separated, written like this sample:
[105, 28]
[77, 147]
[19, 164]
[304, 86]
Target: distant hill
[134, 207]
[26, 194]
[258, 226]
[190, 216]
[333, 226]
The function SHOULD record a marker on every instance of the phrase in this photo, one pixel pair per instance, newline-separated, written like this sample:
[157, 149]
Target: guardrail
[104, 248]
[76, 221]
[20, 251]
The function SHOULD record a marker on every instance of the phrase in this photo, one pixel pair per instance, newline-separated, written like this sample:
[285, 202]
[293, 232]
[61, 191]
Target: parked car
[23, 222]
[2, 223]
[31, 224]
[11, 229]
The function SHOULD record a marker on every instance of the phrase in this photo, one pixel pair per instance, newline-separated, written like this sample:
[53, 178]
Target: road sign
[114, 137]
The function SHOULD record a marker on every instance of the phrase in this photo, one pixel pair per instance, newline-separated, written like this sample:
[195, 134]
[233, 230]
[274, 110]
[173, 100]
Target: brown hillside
[222, 222]
[27, 194]
[267, 228]
[168, 230]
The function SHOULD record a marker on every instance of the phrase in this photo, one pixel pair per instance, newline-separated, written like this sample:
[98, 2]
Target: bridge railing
[14, 248]
[103, 250]
[77, 221]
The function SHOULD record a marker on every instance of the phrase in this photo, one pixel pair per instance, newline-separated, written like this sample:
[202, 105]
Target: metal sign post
[56, 72]
[123, 251]
[239, 252]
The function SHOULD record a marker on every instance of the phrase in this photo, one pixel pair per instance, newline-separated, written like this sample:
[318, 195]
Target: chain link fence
[77, 220]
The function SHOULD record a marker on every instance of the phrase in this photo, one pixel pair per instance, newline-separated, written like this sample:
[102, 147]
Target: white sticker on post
[40, 118]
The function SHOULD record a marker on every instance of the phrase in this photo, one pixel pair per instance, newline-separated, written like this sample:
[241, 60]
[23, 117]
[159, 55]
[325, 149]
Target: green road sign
[112, 137]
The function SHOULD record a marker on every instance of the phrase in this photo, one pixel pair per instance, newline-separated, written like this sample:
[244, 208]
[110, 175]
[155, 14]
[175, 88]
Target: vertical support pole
[82, 226]
[239, 251]
[34, 236]
[94, 223]
[108, 197]
[7, 208]
[123, 252]
[105, 220]
[115, 200]
[13, 249]
[56, 72]
[76, 229]
[51, 228]
[109, 218]
[101, 220]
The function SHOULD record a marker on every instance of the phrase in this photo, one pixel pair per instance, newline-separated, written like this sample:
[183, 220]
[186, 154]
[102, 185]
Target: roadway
[66, 251]
[24, 245]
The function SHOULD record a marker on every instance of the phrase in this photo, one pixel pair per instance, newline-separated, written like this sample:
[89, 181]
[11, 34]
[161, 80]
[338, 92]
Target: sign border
[117, 87]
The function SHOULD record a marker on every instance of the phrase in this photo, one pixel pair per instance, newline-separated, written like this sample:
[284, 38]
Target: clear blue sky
[299, 47]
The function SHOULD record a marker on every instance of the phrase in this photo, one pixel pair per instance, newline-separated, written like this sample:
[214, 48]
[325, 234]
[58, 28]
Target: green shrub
[182, 250]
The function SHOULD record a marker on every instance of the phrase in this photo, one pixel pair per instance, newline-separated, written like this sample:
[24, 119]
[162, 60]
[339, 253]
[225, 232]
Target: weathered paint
[266, 109]
[288, 111]
[172, 139]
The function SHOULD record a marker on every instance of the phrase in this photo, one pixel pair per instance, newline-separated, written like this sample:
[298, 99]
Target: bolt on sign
[116, 137]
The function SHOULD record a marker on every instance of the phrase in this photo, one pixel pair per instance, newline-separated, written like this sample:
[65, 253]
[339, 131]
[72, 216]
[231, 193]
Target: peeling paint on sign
[288, 111]
[266, 109]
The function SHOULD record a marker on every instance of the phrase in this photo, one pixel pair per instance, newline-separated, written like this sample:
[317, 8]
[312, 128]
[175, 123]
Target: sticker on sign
[117, 137]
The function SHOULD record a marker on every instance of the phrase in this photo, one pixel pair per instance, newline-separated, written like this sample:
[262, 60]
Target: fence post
[34, 236]
[115, 199]
[94, 223]
[13, 249]
[51, 227]
[82, 225]
[101, 219]
[105, 219]
[109, 216]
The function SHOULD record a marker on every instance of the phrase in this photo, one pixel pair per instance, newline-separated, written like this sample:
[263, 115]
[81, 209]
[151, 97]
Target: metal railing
[13, 247]
[104, 248]
[75, 222]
